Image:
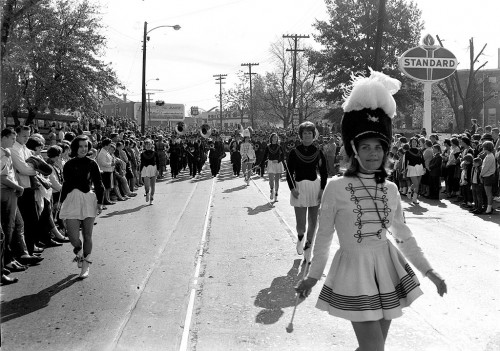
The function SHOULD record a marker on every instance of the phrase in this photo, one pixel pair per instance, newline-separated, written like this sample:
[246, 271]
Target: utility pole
[250, 75]
[143, 95]
[295, 38]
[377, 66]
[219, 79]
[149, 107]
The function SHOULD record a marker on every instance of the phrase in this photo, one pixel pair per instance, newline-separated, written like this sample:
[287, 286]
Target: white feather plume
[372, 92]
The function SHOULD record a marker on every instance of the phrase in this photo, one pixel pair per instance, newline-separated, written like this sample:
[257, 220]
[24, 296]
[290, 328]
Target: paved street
[212, 266]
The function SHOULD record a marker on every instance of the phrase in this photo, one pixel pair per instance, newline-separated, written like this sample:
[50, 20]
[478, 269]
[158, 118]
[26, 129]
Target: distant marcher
[149, 170]
[274, 155]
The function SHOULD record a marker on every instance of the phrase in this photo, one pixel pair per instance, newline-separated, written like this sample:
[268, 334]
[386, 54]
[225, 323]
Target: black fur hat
[368, 110]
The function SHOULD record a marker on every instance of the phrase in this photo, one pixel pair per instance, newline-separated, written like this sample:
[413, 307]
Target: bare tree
[278, 89]
[237, 98]
[466, 101]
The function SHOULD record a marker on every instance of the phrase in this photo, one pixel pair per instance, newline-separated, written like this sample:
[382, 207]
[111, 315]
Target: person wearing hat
[369, 282]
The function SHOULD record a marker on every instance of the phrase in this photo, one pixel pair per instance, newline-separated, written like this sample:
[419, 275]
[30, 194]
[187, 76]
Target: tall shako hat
[368, 109]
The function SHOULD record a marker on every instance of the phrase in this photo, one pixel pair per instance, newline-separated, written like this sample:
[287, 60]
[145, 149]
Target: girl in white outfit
[370, 281]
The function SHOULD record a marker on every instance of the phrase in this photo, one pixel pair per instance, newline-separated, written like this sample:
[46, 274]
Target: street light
[149, 80]
[145, 38]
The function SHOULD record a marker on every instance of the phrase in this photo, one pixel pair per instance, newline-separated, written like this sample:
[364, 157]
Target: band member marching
[247, 155]
[219, 148]
[213, 157]
[275, 156]
[193, 157]
[370, 281]
[303, 165]
[161, 148]
[234, 149]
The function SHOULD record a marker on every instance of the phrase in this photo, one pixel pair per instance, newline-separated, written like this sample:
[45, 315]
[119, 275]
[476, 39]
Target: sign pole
[427, 122]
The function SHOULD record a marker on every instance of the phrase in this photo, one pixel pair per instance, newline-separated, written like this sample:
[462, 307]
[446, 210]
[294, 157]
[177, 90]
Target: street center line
[190, 308]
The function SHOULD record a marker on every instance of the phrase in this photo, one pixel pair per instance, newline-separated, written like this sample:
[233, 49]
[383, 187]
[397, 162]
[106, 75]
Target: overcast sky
[216, 36]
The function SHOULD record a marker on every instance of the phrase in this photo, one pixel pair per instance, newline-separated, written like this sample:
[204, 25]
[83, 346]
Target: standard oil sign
[428, 63]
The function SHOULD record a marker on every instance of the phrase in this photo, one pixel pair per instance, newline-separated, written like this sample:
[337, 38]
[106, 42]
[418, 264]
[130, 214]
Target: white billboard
[154, 113]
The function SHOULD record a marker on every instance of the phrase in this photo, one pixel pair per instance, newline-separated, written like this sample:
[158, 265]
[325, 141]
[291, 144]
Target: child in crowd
[404, 180]
[435, 166]
[477, 186]
[393, 159]
[465, 184]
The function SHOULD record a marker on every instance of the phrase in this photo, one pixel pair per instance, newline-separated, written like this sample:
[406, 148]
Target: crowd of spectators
[464, 168]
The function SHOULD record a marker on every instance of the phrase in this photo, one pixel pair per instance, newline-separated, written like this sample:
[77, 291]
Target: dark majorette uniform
[303, 165]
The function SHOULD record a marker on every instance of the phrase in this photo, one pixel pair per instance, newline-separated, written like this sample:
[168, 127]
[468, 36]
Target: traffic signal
[160, 103]
[194, 111]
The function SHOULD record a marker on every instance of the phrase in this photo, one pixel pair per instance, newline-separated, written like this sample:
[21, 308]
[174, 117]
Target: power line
[219, 79]
[295, 38]
[250, 75]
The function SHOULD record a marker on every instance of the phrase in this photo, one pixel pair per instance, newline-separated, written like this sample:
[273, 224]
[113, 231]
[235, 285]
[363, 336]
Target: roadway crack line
[150, 272]
[201, 251]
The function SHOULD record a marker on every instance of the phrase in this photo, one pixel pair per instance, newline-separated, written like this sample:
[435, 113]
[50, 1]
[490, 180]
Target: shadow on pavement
[434, 202]
[279, 295]
[241, 187]
[31, 303]
[127, 211]
[259, 209]
[417, 210]
[492, 217]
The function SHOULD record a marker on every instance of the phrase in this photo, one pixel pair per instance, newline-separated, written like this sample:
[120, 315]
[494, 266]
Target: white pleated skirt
[79, 205]
[415, 171]
[149, 171]
[274, 167]
[308, 193]
[368, 284]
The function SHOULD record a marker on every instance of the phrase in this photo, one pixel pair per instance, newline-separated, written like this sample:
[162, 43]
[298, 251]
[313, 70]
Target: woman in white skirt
[369, 282]
[80, 205]
[247, 155]
[275, 156]
[303, 165]
[415, 168]
[149, 170]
